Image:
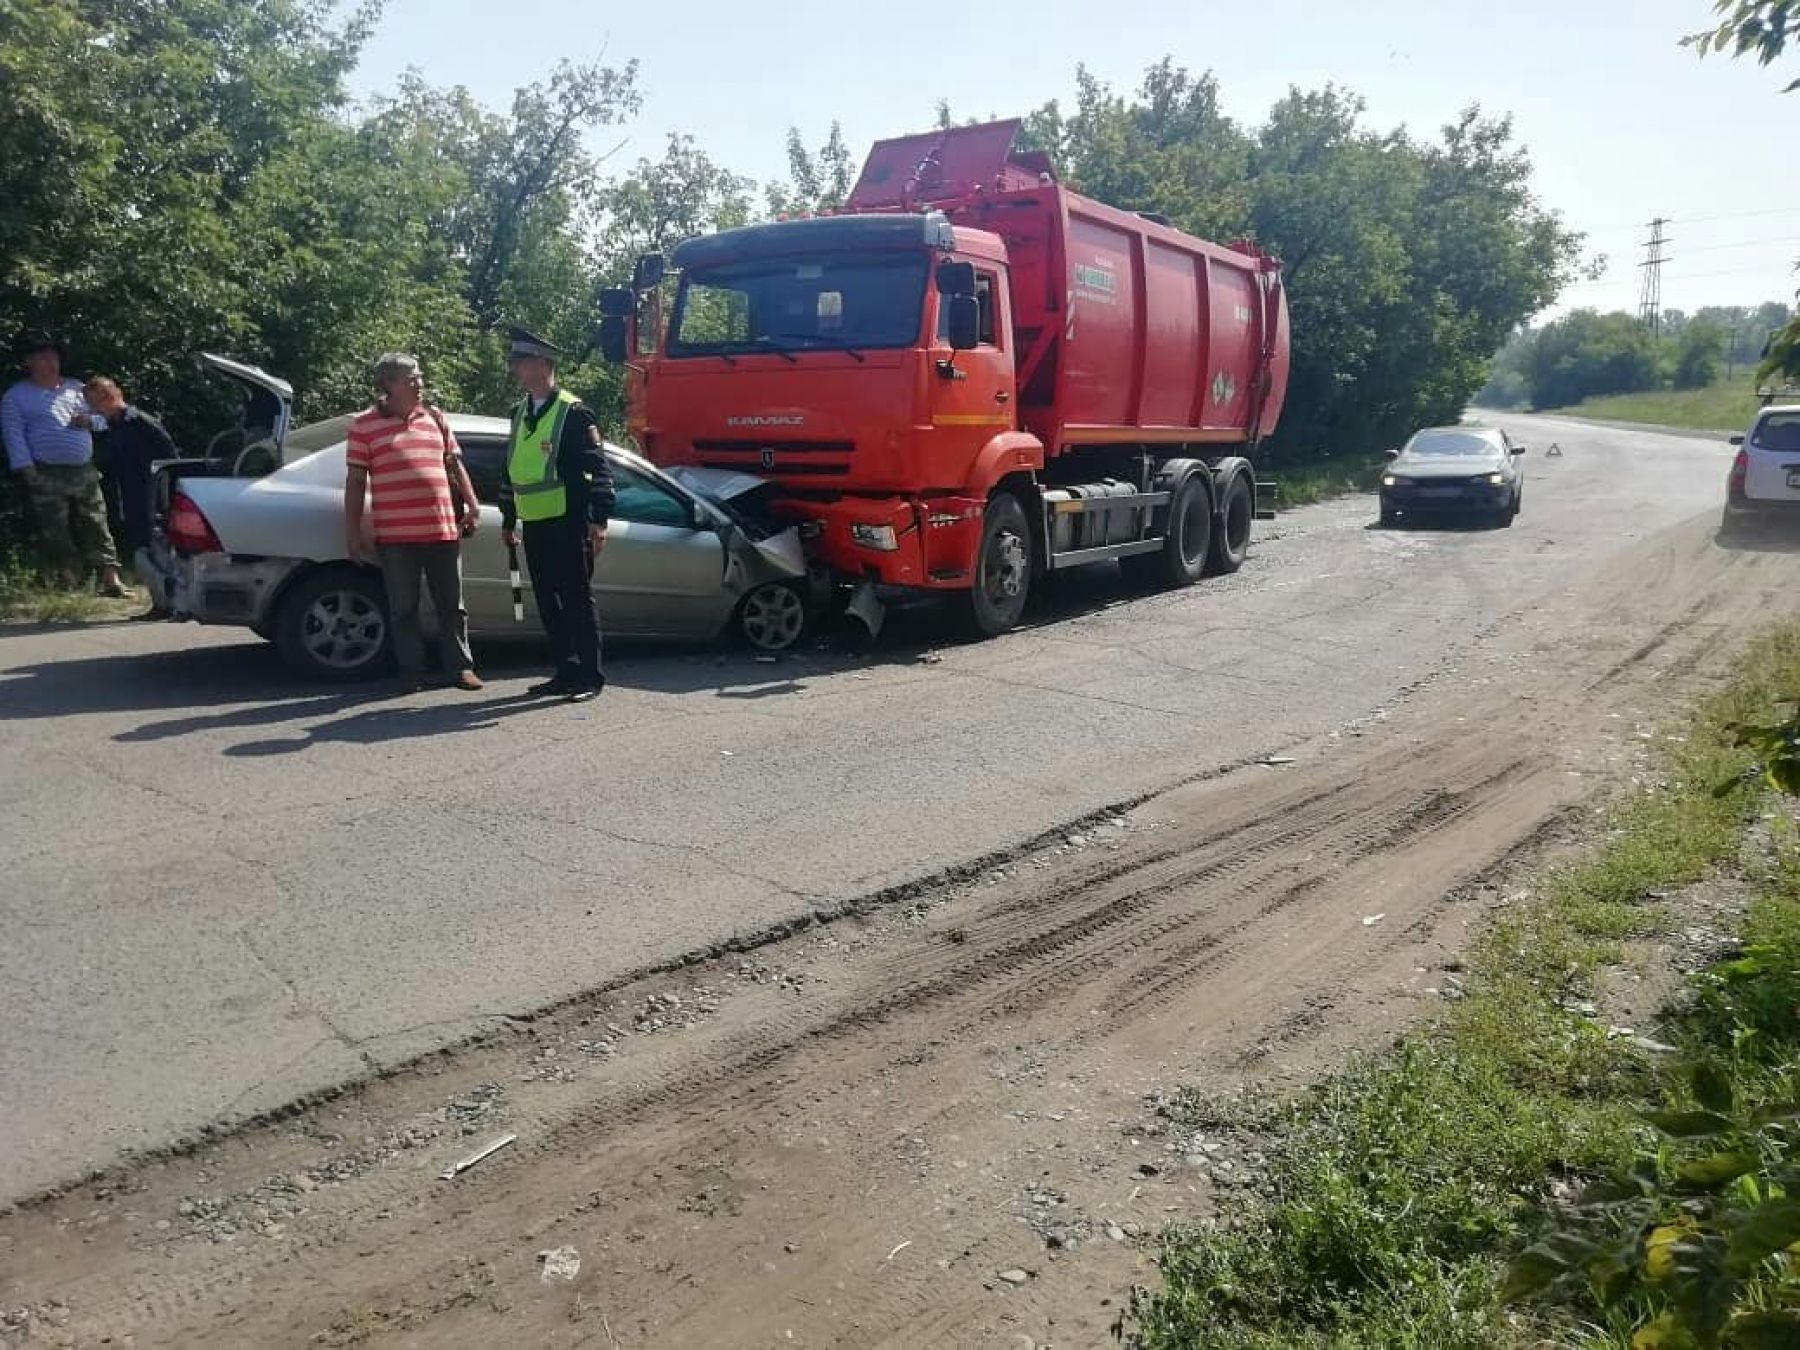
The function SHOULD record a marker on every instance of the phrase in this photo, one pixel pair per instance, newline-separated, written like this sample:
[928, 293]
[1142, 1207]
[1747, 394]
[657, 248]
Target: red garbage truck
[968, 377]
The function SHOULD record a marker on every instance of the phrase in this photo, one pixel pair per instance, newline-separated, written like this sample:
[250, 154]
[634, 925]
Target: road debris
[1370, 920]
[480, 1155]
[1276, 761]
[902, 1247]
[559, 1263]
[1014, 1276]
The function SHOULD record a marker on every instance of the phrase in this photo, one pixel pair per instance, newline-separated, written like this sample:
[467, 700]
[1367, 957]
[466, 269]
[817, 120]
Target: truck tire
[1187, 540]
[1231, 532]
[1002, 582]
[333, 625]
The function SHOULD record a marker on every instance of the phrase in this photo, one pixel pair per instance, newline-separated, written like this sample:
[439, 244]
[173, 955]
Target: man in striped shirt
[404, 458]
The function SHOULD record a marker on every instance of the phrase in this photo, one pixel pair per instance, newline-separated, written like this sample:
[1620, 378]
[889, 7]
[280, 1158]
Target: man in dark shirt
[131, 440]
[559, 485]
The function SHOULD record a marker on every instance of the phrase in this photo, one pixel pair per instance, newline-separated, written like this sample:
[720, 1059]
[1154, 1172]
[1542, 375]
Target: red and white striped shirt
[408, 484]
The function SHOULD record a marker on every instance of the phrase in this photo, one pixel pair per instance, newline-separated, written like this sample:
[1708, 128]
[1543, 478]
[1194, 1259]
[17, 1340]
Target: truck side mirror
[956, 278]
[648, 273]
[618, 302]
[613, 340]
[965, 322]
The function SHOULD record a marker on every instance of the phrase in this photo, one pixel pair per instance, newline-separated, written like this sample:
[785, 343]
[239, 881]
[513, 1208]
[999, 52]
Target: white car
[686, 558]
[1765, 477]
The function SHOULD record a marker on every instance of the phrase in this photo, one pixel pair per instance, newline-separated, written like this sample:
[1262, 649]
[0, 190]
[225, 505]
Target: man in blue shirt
[46, 423]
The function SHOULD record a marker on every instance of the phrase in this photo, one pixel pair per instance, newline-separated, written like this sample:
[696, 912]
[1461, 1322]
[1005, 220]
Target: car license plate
[1794, 478]
[1440, 492]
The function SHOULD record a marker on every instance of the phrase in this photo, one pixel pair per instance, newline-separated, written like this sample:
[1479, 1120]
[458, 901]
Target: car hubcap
[1004, 574]
[773, 617]
[343, 630]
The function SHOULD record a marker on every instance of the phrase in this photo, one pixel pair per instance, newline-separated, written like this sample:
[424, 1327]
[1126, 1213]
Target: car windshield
[1779, 432]
[836, 300]
[1431, 444]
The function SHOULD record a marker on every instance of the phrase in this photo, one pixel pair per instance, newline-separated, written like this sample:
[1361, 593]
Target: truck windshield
[842, 301]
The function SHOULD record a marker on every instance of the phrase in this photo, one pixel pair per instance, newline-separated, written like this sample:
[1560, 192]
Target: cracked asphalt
[227, 890]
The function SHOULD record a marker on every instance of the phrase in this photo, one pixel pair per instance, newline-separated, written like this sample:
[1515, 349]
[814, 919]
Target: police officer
[560, 487]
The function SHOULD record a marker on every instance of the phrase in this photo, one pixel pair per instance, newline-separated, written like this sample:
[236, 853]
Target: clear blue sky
[1623, 123]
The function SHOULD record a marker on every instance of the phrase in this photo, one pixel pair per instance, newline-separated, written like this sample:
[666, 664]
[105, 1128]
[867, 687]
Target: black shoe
[586, 693]
[555, 685]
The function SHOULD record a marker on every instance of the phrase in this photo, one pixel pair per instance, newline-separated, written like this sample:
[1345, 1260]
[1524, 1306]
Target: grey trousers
[441, 566]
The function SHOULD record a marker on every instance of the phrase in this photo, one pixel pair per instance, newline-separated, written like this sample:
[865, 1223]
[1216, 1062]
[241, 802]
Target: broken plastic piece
[480, 1155]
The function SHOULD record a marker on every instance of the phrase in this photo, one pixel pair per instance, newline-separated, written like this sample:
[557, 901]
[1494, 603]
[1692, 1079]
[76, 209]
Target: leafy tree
[1700, 354]
[1586, 353]
[130, 134]
[817, 180]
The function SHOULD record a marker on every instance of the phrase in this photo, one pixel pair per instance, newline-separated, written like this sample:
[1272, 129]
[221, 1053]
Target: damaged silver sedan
[687, 558]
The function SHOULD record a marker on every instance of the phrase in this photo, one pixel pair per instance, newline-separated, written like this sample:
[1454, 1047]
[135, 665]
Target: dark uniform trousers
[560, 558]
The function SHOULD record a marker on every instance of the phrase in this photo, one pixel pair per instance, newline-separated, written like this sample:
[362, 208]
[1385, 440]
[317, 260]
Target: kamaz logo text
[789, 420]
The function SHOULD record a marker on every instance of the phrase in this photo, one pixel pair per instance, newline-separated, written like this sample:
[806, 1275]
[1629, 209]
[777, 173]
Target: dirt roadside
[932, 1124]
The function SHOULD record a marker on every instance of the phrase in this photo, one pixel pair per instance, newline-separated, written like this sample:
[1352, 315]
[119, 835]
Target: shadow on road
[1759, 539]
[245, 687]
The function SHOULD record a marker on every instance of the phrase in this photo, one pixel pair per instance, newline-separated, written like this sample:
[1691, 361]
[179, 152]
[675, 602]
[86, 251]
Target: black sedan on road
[1467, 469]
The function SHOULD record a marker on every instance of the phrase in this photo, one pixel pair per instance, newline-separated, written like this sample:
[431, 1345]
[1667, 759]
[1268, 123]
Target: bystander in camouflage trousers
[71, 517]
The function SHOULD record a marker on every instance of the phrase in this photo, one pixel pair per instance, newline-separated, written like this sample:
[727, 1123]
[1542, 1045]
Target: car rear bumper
[1739, 504]
[216, 588]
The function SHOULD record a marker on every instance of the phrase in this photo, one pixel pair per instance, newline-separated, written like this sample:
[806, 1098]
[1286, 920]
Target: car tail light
[1739, 468]
[188, 528]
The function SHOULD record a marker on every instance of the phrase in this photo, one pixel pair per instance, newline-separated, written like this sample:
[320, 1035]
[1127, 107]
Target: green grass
[1304, 485]
[1726, 407]
[1397, 1191]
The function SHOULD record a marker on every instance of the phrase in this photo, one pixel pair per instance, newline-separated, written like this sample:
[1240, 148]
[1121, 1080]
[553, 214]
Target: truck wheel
[1231, 545]
[334, 626]
[1187, 542]
[1002, 568]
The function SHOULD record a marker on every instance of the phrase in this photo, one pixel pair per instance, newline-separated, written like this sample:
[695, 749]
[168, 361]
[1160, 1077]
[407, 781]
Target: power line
[1618, 283]
[1636, 225]
[1745, 243]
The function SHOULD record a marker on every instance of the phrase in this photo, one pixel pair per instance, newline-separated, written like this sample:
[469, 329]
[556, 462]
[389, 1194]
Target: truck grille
[819, 459]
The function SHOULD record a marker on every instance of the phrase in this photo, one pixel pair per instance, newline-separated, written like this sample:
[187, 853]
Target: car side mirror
[1518, 449]
[1737, 440]
[965, 322]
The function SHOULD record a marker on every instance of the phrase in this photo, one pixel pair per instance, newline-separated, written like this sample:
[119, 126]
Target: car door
[1772, 448]
[662, 573]
[487, 585]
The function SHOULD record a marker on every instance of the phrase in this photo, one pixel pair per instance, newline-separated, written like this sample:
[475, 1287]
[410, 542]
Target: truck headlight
[1497, 479]
[1388, 480]
[874, 536]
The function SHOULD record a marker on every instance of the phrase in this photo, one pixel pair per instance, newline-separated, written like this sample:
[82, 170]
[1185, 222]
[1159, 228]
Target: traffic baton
[518, 587]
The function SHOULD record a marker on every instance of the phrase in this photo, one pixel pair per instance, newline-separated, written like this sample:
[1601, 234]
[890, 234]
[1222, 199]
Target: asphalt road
[227, 890]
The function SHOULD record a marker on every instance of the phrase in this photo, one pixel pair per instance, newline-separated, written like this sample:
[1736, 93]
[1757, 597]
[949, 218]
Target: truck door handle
[1002, 396]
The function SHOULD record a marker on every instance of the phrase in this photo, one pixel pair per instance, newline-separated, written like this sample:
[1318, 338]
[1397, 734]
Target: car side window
[486, 462]
[645, 502]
